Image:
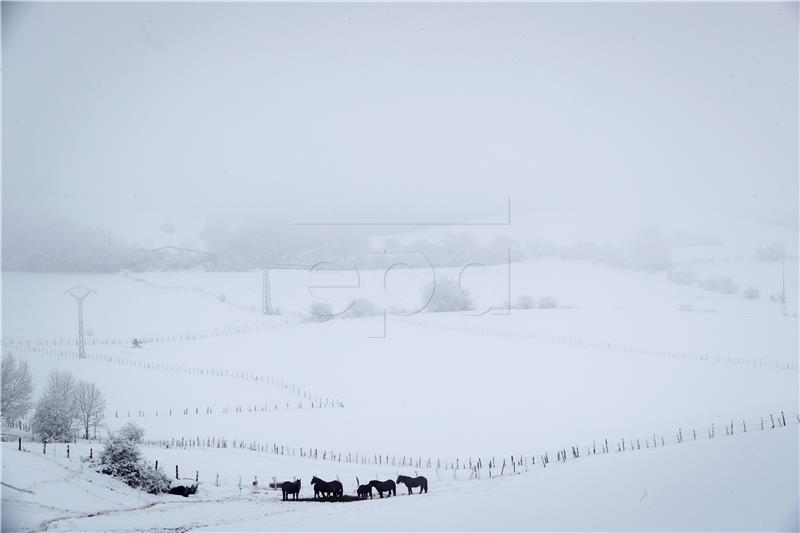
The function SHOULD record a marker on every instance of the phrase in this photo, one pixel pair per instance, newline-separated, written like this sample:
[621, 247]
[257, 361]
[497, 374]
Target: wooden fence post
[176, 472]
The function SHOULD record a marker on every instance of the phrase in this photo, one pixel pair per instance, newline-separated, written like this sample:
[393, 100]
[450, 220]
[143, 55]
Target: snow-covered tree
[55, 415]
[131, 432]
[721, 284]
[90, 403]
[17, 389]
[446, 295]
[547, 302]
[525, 302]
[122, 459]
[751, 293]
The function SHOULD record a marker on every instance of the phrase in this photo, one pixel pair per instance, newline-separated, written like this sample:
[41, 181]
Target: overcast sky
[115, 111]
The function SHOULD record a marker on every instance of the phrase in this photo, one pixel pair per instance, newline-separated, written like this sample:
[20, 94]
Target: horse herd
[334, 489]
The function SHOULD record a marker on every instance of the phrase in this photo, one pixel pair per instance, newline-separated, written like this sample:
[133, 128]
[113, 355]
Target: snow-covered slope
[626, 355]
[743, 483]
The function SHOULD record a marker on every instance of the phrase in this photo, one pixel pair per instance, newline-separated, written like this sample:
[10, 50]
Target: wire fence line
[477, 467]
[604, 345]
[218, 372]
[252, 408]
[466, 468]
[219, 331]
[217, 296]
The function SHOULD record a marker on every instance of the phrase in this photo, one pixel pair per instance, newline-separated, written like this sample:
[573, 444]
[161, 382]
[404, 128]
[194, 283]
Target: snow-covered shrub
[321, 311]
[721, 284]
[751, 293]
[361, 307]
[446, 295]
[15, 399]
[547, 302]
[122, 459]
[525, 302]
[682, 276]
[132, 432]
[153, 481]
[56, 410]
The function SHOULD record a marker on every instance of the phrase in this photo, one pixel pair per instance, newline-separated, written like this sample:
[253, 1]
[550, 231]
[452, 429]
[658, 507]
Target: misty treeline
[54, 244]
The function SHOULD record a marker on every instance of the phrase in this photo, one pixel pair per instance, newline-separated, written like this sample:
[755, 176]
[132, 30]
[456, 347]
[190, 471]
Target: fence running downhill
[461, 468]
[187, 369]
[479, 467]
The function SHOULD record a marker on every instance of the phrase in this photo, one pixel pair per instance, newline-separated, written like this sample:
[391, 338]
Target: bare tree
[90, 404]
[55, 414]
[15, 400]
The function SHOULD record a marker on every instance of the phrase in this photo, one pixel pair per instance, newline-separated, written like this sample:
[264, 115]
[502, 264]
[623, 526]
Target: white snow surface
[627, 355]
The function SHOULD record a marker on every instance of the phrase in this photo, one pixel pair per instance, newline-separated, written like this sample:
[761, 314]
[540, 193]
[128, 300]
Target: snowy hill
[691, 486]
[425, 392]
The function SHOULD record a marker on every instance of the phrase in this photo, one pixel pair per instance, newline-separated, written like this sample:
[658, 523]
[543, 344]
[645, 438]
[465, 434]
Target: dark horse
[327, 488]
[387, 486]
[290, 488]
[411, 482]
[183, 490]
[364, 491]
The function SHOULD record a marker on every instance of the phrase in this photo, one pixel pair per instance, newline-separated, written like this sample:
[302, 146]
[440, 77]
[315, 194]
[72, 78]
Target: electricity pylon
[80, 293]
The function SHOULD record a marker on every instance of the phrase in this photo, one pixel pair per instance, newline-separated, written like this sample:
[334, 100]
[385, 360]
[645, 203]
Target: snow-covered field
[627, 356]
[743, 483]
